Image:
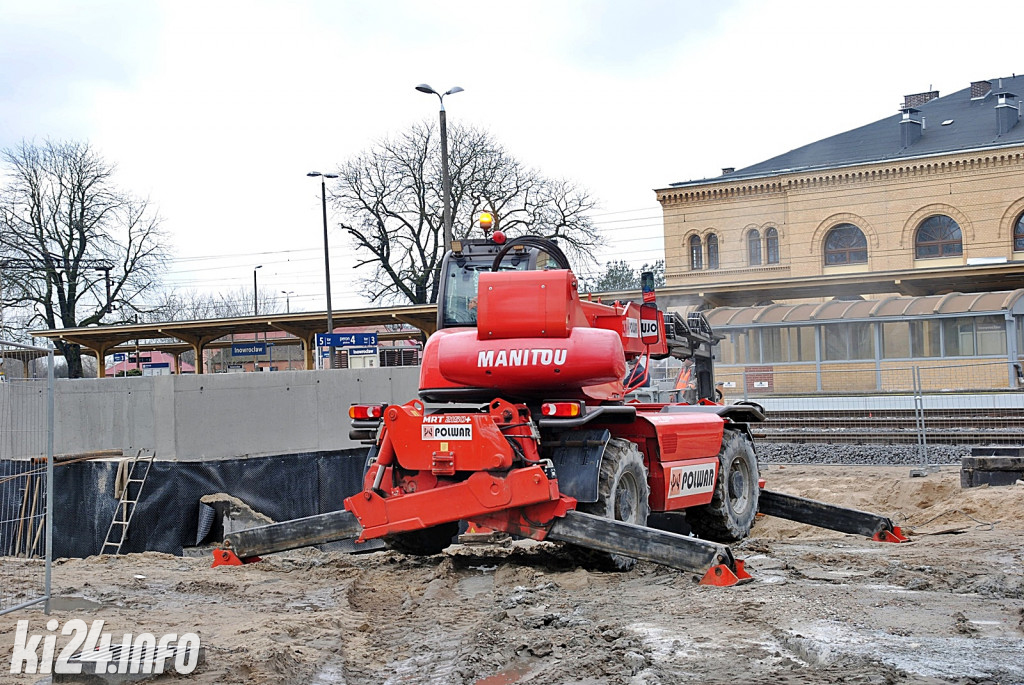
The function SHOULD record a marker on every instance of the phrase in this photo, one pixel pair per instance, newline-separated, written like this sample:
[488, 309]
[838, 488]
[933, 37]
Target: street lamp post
[288, 300]
[446, 182]
[255, 297]
[327, 258]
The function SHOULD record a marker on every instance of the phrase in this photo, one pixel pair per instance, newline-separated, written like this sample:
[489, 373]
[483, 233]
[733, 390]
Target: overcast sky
[216, 110]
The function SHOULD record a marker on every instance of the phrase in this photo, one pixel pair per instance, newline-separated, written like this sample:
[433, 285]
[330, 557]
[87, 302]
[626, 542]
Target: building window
[712, 251]
[845, 341]
[696, 254]
[771, 244]
[938, 236]
[1018, 234]
[895, 340]
[845, 244]
[754, 248]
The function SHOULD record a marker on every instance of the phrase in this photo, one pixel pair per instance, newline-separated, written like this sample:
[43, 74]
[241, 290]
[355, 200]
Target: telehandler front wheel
[730, 514]
[623, 494]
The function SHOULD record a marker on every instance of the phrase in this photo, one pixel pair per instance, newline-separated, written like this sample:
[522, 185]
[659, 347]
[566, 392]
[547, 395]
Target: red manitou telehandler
[522, 425]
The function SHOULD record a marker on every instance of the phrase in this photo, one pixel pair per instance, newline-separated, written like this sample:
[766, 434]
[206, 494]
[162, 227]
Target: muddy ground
[823, 606]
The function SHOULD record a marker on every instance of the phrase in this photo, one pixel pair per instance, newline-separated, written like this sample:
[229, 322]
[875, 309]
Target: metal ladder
[130, 496]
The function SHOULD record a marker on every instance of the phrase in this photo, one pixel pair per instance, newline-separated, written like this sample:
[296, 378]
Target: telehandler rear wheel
[730, 514]
[623, 494]
[423, 543]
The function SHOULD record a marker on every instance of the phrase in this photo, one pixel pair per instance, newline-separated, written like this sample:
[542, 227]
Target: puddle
[75, 604]
[935, 657]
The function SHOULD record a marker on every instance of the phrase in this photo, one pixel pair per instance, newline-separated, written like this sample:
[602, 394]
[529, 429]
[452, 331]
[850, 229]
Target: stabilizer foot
[225, 557]
[723, 576]
[894, 535]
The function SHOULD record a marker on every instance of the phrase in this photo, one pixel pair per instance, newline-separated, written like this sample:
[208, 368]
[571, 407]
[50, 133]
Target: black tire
[623, 494]
[423, 543]
[730, 514]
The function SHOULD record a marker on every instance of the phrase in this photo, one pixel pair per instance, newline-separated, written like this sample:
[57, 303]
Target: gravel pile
[879, 455]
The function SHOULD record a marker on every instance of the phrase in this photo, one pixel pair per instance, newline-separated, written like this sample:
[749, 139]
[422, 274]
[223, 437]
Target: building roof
[973, 126]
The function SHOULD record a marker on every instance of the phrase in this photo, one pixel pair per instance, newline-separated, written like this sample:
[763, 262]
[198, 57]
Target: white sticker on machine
[696, 479]
[447, 432]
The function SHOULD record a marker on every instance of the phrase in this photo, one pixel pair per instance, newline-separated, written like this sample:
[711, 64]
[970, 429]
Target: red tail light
[562, 410]
[365, 412]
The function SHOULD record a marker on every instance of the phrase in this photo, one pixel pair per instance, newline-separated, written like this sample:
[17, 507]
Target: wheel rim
[627, 496]
[739, 485]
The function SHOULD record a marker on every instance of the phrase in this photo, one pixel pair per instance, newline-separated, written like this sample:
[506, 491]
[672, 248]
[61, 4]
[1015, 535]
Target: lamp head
[456, 89]
[313, 173]
[424, 88]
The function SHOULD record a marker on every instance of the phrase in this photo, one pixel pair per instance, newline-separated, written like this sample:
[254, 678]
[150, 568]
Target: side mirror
[650, 328]
[647, 286]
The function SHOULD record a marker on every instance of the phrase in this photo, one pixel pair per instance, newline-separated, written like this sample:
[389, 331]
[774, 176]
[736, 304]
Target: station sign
[361, 351]
[252, 349]
[345, 339]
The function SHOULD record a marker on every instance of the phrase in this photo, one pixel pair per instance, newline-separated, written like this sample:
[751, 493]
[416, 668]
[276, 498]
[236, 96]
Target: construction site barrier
[26, 475]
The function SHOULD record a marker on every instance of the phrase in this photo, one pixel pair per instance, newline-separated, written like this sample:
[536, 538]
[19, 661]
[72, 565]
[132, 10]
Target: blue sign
[157, 365]
[120, 356]
[361, 351]
[345, 339]
[252, 349]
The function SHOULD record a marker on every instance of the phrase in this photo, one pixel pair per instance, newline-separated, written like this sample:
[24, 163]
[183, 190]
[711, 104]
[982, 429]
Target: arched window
[713, 251]
[938, 236]
[1018, 235]
[754, 247]
[696, 253]
[845, 244]
[771, 245]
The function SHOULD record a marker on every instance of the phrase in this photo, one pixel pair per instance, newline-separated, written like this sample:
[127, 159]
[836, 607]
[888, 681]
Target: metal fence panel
[920, 407]
[26, 475]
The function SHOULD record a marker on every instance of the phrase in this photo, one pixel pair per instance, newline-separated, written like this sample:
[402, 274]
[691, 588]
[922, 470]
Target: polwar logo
[691, 480]
[89, 647]
[446, 432]
[631, 328]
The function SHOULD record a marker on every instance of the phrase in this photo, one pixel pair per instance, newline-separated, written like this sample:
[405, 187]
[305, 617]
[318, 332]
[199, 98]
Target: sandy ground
[823, 606]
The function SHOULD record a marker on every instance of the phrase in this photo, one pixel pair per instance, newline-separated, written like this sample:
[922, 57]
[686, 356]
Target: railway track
[947, 426]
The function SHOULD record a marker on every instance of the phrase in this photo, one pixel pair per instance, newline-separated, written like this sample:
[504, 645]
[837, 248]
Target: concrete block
[1005, 467]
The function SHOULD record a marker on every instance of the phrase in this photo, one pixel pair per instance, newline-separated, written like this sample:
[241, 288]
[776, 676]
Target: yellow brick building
[927, 202]
[930, 200]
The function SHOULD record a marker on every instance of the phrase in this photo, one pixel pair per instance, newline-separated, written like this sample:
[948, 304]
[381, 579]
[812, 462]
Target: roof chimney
[918, 99]
[1007, 112]
[980, 89]
[910, 126]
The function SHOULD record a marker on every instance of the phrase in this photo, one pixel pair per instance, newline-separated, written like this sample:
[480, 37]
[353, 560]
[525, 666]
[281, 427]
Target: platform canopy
[175, 337]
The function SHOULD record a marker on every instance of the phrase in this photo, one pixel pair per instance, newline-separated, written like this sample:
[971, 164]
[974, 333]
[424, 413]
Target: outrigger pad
[225, 557]
[723, 576]
[894, 535]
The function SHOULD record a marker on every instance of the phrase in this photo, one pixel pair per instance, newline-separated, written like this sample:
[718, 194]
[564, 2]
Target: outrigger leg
[843, 519]
[716, 562]
[246, 546]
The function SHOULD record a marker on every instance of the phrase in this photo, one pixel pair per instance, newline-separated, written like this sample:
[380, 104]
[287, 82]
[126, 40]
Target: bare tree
[391, 198]
[73, 247]
[192, 305]
[619, 275]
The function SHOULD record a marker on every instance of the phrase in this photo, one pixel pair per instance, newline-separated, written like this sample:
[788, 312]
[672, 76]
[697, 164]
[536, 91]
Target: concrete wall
[222, 415]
